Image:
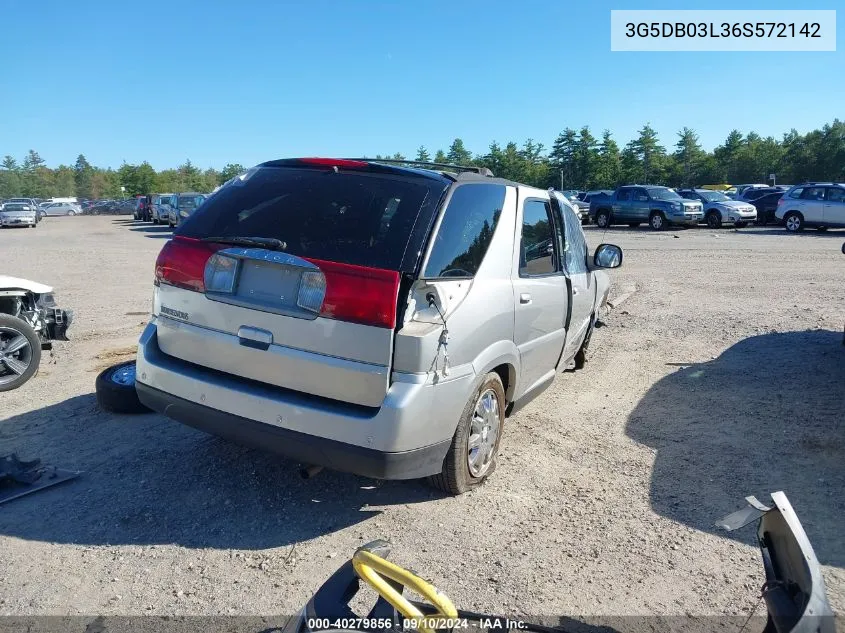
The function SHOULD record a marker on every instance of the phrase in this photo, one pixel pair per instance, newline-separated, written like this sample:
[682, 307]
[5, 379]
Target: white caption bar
[707, 30]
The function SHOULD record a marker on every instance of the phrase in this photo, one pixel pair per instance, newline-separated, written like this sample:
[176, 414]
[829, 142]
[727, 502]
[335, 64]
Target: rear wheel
[115, 387]
[20, 352]
[603, 219]
[794, 222]
[71, 212]
[472, 454]
[714, 220]
[657, 222]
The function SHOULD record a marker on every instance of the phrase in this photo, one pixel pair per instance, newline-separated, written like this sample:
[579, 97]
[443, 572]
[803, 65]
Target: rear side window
[624, 194]
[796, 193]
[835, 194]
[465, 231]
[348, 217]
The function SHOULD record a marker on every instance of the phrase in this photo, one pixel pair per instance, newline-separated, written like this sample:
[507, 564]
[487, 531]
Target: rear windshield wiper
[270, 243]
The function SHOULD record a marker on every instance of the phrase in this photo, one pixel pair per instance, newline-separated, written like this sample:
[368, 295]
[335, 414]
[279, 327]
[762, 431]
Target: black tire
[117, 397]
[714, 220]
[603, 219]
[657, 221]
[633, 225]
[740, 225]
[793, 221]
[456, 478]
[155, 220]
[581, 354]
[8, 325]
[71, 213]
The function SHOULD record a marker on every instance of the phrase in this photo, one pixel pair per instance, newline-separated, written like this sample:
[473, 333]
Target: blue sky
[214, 82]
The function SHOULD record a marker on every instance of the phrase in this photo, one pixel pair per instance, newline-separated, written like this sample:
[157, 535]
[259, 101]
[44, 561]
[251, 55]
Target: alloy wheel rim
[792, 223]
[485, 426]
[656, 221]
[15, 354]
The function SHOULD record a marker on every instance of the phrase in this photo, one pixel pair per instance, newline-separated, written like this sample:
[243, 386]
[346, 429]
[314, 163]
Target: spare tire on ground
[115, 388]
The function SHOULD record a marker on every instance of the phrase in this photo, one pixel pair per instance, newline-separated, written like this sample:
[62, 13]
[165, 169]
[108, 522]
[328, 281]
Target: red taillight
[781, 201]
[359, 294]
[182, 262]
[334, 162]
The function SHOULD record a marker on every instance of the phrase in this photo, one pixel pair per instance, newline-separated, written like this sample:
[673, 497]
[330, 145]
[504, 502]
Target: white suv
[370, 318]
[818, 204]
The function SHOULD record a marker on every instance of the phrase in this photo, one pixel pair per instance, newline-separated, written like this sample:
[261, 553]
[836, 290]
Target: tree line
[31, 178]
[577, 160]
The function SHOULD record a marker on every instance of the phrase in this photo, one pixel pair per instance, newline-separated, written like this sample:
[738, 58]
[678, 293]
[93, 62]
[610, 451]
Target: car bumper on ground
[407, 437]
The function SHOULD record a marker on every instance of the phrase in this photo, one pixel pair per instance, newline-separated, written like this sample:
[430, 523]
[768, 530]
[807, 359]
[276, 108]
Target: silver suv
[370, 318]
[818, 204]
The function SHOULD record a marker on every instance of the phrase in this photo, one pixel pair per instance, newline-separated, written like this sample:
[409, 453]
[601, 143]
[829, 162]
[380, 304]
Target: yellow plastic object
[373, 570]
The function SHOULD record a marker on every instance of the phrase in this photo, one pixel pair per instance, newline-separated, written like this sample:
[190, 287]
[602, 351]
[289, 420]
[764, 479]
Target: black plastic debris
[19, 478]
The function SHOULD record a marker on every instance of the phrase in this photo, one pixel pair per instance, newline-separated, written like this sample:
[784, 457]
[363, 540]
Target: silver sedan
[61, 208]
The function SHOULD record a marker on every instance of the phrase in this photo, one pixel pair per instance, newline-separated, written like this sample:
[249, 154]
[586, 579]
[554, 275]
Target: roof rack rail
[481, 171]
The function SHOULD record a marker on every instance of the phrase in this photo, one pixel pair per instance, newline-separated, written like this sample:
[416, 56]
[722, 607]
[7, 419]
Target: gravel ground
[721, 376]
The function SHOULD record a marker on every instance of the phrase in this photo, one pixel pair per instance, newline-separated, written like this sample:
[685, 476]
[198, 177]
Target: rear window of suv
[348, 217]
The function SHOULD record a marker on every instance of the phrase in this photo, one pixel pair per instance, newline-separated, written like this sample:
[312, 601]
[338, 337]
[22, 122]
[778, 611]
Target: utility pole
[561, 179]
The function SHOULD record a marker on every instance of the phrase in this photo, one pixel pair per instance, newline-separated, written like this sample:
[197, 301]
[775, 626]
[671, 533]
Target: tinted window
[465, 231]
[623, 194]
[640, 195]
[796, 193]
[689, 195]
[835, 194]
[336, 216]
[536, 252]
[813, 193]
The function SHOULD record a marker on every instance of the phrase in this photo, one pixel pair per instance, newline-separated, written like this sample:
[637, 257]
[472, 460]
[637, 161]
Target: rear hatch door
[290, 276]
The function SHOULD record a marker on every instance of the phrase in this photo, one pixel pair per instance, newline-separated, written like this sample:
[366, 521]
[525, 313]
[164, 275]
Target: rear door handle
[525, 298]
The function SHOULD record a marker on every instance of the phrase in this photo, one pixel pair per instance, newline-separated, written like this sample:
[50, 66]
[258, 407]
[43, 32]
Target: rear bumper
[302, 447]
[405, 438]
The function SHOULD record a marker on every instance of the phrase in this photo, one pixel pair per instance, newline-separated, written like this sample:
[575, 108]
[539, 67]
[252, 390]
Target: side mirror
[608, 256]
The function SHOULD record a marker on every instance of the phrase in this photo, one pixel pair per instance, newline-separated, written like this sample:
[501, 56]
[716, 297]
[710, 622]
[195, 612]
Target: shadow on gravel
[152, 228]
[805, 233]
[149, 480]
[766, 415]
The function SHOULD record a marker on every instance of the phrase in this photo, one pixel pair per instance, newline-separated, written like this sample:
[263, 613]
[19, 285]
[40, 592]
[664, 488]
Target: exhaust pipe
[310, 471]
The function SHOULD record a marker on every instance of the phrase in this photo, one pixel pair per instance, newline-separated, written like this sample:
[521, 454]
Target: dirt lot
[722, 376]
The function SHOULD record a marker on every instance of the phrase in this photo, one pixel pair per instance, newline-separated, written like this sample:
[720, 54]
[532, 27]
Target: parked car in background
[314, 277]
[816, 204]
[142, 211]
[766, 206]
[661, 207]
[62, 208]
[185, 204]
[737, 190]
[719, 209]
[751, 194]
[160, 207]
[18, 214]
